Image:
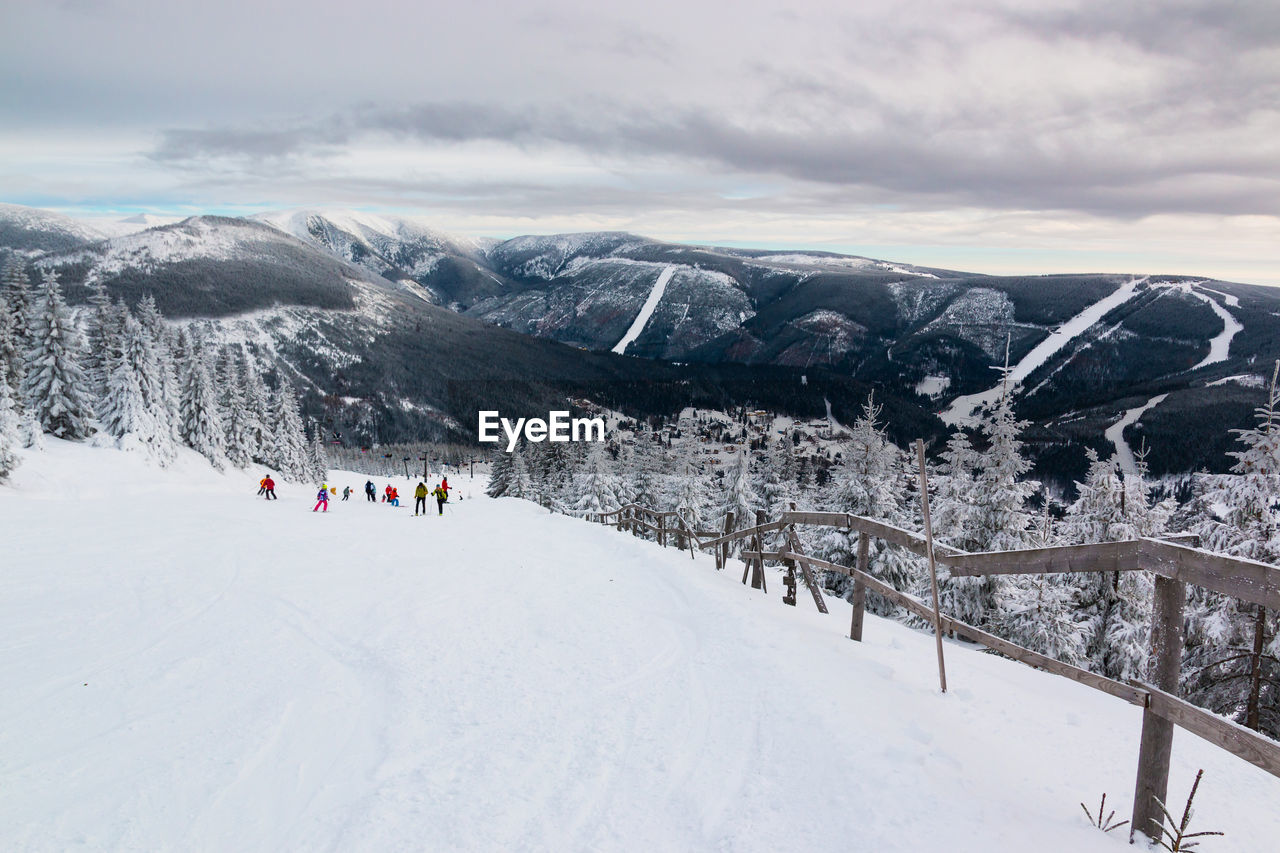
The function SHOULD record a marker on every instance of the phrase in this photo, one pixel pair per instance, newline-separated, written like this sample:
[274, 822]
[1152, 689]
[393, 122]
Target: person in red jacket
[393, 497]
[269, 486]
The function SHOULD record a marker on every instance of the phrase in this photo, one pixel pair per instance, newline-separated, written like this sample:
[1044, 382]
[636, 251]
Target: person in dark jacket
[441, 497]
[269, 486]
[370, 491]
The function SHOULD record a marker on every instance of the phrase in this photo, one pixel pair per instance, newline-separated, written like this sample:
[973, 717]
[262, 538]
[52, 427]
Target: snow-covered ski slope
[187, 667]
[646, 310]
[962, 409]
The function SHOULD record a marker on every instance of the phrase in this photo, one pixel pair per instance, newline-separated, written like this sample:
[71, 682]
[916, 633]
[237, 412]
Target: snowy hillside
[30, 229]
[197, 669]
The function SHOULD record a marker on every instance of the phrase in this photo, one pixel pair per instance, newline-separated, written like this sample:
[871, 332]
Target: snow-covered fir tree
[10, 353]
[9, 434]
[288, 453]
[1038, 610]
[130, 409]
[688, 488]
[54, 388]
[780, 488]
[740, 495]
[240, 447]
[102, 337]
[643, 484]
[869, 482]
[1233, 647]
[201, 418]
[258, 439]
[161, 338]
[597, 486]
[20, 298]
[500, 476]
[520, 486]
[1000, 520]
[317, 458]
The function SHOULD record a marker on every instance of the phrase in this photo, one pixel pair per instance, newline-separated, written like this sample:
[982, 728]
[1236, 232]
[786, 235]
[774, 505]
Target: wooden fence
[1174, 563]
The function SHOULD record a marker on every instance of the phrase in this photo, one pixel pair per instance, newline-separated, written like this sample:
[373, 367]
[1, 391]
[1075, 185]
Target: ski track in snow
[187, 667]
[1220, 346]
[1115, 434]
[646, 310]
[961, 411]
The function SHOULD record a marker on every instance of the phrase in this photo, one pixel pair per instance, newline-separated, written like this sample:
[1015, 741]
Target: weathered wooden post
[933, 566]
[662, 529]
[860, 589]
[724, 546]
[1157, 732]
[757, 570]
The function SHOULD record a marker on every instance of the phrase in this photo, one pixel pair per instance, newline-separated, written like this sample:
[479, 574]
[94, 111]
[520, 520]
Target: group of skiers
[390, 495]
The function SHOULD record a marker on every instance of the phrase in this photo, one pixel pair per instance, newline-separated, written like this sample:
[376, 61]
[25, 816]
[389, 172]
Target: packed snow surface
[1115, 434]
[646, 310]
[188, 667]
[962, 409]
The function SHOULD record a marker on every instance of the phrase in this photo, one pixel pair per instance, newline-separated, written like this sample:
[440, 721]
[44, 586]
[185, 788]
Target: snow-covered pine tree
[20, 298]
[500, 476]
[1113, 607]
[235, 418]
[9, 432]
[257, 410]
[201, 418]
[102, 337]
[521, 486]
[643, 485]
[10, 353]
[740, 495]
[1001, 520]
[54, 388]
[689, 488]
[289, 443]
[869, 483]
[782, 485]
[597, 486]
[161, 340]
[317, 458]
[1233, 661]
[126, 413]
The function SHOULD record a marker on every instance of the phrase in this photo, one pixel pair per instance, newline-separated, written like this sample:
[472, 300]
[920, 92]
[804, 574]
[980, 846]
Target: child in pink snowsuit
[322, 500]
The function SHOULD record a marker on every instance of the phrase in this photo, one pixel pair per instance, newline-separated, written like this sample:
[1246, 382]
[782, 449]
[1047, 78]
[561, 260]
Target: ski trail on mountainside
[961, 410]
[646, 310]
[1115, 435]
[1220, 346]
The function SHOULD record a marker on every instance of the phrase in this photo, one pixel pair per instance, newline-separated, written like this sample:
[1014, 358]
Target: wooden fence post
[860, 589]
[1157, 732]
[933, 566]
[662, 529]
[724, 546]
[757, 569]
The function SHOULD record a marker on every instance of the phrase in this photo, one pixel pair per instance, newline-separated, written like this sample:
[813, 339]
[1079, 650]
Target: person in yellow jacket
[441, 496]
[420, 498]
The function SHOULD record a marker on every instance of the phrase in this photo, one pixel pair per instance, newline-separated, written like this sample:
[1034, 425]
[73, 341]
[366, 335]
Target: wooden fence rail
[1175, 561]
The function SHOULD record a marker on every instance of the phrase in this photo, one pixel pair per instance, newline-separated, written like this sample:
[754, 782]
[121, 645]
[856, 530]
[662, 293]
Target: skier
[262, 485]
[393, 496]
[370, 491]
[420, 498]
[444, 484]
[269, 487]
[441, 497]
[346, 492]
[386, 494]
[322, 499]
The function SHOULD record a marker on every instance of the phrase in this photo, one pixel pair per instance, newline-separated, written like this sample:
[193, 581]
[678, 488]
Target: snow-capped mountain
[328, 287]
[29, 229]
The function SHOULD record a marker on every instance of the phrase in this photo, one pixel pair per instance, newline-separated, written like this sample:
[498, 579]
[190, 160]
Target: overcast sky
[994, 135]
